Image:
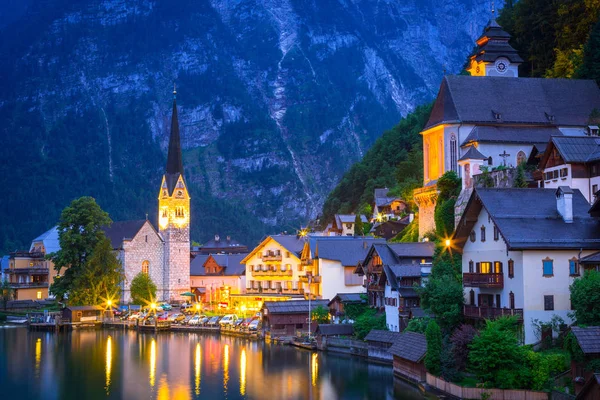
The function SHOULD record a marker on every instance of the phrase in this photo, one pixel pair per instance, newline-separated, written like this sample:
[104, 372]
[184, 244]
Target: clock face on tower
[501, 66]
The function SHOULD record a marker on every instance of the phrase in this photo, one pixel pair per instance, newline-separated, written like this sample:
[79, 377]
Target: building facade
[215, 278]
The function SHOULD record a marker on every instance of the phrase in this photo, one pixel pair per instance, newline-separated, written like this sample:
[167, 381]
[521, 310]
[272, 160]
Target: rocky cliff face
[277, 99]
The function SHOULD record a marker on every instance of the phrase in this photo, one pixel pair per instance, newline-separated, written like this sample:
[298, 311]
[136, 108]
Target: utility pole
[309, 311]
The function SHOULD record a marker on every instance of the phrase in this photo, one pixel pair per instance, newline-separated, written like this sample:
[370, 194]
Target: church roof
[473, 154]
[174, 158]
[219, 244]
[511, 134]
[500, 100]
[493, 44]
[120, 231]
[528, 219]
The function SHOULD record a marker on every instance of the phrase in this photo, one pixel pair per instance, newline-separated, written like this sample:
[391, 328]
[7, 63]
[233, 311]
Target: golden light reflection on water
[38, 356]
[225, 367]
[197, 368]
[153, 363]
[108, 367]
[163, 388]
[314, 367]
[243, 372]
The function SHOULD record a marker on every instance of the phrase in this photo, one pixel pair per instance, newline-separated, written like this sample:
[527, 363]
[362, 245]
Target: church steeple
[174, 158]
[494, 55]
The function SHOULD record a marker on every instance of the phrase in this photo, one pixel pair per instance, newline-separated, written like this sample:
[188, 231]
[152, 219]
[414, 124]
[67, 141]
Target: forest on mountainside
[556, 39]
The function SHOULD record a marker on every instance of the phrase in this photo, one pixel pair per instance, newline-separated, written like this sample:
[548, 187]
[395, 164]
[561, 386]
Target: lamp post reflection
[152, 362]
[197, 366]
[314, 368]
[38, 356]
[225, 367]
[243, 372]
[108, 367]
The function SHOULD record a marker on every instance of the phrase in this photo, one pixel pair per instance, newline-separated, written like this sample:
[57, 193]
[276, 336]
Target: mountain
[277, 99]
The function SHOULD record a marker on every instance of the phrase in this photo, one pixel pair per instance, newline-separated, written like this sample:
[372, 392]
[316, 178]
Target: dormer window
[496, 114]
[549, 117]
[593, 130]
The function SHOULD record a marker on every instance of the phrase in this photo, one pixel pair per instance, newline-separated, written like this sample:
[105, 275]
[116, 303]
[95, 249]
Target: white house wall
[333, 280]
[392, 318]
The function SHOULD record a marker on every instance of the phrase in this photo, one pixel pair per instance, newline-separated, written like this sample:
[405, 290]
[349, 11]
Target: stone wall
[145, 246]
[177, 262]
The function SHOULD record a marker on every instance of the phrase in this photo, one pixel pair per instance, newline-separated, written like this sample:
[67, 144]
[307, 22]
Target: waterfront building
[498, 114]
[572, 161]
[214, 278]
[324, 332]
[82, 313]
[409, 356]
[587, 383]
[400, 297]
[379, 343]
[29, 273]
[288, 318]
[274, 268]
[340, 301]
[520, 253]
[331, 261]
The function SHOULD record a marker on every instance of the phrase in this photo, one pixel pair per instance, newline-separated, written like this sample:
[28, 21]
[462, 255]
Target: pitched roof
[348, 298]
[414, 249]
[377, 335]
[231, 264]
[593, 258]
[197, 264]
[473, 154]
[219, 243]
[50, 240]
[403, 271]
[349, 251]
[349, 218]
[588, 338]
[577, 149]
[334, 329]
[174, 167]
[535, 101]
[381, 192]
[119, 231]
[529, 219]
[84, 308]
[511, 134]
[410, 346]
[293, 306]
[292, 243]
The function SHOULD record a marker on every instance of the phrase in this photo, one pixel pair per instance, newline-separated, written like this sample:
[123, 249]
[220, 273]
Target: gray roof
[381, 192]
[473, 154]
[528, 219]
[535, 101]
[410, 346]
[403, 271]
[293, 306]
[50, 240]
[119, 231]
[348, 250]
[349, 298]
[593, 258]
[388, 257]
[588, 338]
[291, 243]
[219, 242]
[84, 308]
[377, 335]
[349, 218]
[512, 134]
[230, 263]
[413, 250]
[334, 329]
[578, 149]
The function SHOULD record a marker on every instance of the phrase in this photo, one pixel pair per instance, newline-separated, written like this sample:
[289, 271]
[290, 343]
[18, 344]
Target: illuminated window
[179, 212]
[145, 267]
[39, 295]
[485, 267]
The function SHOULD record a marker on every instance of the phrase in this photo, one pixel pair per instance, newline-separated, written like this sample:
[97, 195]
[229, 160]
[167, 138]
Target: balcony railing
[314, 278]
[374, 287]
[29, 271]
[272, 273]
[252, 290]
[292, 291]
[483, 280]
[25, 285]
[271, 257]
[491, 312]
[26, 254]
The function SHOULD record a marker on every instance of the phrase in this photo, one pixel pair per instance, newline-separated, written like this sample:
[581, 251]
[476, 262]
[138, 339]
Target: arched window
[145, 267]
[521, 158]
[453, 154]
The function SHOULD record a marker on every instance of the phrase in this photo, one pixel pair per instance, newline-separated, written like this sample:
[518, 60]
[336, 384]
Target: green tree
[590, 64]
[320, 315]
[358, 226]
[143, 290]
[520, 181]
[443, 296]
[433, 334]
[585, 298]
[449, 186]
[6, 293]
[100, 280]
[79, 231]
[367, 321]
[418, 325]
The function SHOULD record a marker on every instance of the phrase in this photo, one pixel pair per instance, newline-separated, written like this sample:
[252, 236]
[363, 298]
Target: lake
[113, 364]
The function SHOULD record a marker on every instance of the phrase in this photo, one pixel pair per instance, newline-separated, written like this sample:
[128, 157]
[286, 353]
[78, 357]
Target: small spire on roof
[146, 216]
[493, 10]
[174, 90]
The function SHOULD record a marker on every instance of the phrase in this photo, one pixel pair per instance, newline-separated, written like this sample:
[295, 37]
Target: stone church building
[494, 118]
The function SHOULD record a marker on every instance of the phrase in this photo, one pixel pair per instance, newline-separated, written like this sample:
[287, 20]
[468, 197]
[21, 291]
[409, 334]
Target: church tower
[174, 218]
[494, 55]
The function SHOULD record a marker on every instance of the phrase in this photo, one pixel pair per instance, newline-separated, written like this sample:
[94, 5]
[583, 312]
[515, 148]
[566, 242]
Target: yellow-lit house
[29, 273]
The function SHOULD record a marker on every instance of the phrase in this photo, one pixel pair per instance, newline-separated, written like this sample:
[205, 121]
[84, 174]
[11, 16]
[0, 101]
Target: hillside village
[508, 211]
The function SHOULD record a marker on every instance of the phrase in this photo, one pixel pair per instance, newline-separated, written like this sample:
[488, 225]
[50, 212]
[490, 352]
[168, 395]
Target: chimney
[217, 238]
[564, 203]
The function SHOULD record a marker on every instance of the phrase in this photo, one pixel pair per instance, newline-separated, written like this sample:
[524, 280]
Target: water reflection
[197, 369]
[110, 365]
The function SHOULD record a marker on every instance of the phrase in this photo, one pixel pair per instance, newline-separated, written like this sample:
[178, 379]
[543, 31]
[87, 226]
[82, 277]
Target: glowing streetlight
[197, 307]
[109, 302]
[153, 307]
[448, 242]
[379, 217]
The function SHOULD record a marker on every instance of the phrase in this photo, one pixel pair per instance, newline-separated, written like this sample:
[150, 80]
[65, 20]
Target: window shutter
[478, 268]
[548, 267]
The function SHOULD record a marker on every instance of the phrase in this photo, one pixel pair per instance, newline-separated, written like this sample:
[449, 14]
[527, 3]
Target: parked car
[204, 320]
[229, 319]
[176, 318]
[165, 306]
[195, 320]
[254, 325]
[246, 323]
[237, 325]
[163, 317]
[186, 320]
[133, 316]
[213, 321]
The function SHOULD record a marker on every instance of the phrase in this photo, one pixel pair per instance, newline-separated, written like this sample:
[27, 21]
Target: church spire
[174, 158]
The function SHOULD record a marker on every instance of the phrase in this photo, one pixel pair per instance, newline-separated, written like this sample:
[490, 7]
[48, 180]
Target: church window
[164, 213]
[145, 267]
[483, 233]
[490, 161]
[146, 238]
[453, 153]
[179, 212]
[521, 157]
[472, 236]
[441, 157]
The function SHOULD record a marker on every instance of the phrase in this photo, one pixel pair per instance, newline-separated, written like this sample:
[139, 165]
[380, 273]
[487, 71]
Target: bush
[433, 335]
[143, 290]
[585, 298]
[461, 339]
[368, 321]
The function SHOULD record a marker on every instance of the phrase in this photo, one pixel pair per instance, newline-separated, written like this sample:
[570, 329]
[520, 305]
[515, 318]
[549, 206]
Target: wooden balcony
[25, 254]
[373, 287]
[483, 280]
[491, 312]
[315, 278]
[292, 291]
[29, 271]
[27, 285]
[271, 257]
[272, 273]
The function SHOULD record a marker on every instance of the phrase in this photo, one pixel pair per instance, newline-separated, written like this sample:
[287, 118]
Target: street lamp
[153, 307]
[448, 242]
[198, 308]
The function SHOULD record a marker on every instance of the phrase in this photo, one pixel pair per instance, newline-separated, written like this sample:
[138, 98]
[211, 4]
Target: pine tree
[358, 226]
[590, 67]
[520, 181]
[433, 334]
